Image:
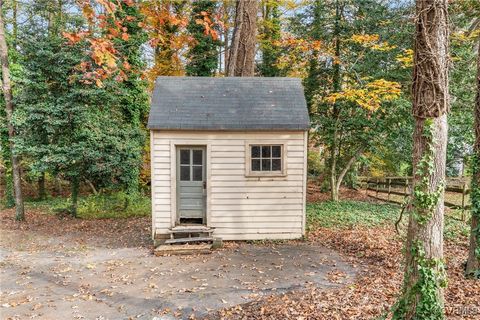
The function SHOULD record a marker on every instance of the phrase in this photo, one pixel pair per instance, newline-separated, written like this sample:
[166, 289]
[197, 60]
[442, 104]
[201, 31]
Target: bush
[113, 205]
[315, 163]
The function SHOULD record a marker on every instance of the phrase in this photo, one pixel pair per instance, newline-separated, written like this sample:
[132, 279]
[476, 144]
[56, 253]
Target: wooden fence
[457, 187]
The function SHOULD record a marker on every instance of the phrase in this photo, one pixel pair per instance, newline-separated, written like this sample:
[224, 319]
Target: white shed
[229, 157]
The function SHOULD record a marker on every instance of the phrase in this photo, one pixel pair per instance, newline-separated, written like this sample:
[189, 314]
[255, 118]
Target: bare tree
[424, 277]
[241, 58]
[7, 93]
[473, 262]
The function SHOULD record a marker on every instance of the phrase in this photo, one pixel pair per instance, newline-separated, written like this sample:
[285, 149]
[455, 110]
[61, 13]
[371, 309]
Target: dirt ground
[55, 268]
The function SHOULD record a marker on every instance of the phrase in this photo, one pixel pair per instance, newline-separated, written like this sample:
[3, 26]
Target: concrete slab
[47, 278]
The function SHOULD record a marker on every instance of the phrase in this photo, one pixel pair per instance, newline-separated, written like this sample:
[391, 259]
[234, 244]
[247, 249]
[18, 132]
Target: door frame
[174, 144]
[204, 179]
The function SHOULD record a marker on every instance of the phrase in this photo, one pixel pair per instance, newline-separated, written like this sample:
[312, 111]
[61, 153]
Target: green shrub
[113, 205]
[315, 163]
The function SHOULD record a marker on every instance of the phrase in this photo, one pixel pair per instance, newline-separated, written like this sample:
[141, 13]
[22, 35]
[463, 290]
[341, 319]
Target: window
[191, 165]
[265, 160]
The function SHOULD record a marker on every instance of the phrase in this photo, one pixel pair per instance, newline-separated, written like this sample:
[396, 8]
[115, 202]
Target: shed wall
[238, 207]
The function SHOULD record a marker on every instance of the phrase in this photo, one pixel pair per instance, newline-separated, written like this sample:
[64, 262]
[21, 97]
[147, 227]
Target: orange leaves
[165, 24]
[125, 36]
[106, 61]
[370, 96]
[74, 37]
[103, 53]
[297, 52]
[208, 25]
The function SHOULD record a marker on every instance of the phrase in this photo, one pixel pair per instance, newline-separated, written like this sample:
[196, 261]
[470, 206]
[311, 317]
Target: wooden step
[187, 240]
[183, 249]
[191, 229]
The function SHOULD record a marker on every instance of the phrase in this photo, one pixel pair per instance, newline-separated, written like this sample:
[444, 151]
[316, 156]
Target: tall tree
[203, 54]
[269, 38]
[473, 262]
[8, 97]
[70, 127]
[165, 23]
[241, 59]
[132, 97]
[353, 104]
[424, 277]
[6, 156]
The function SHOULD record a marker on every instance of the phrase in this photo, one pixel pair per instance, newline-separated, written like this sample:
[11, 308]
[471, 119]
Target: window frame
[191, 163]
[248, 159]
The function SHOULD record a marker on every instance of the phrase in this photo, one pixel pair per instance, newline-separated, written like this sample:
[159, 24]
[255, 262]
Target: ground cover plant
[364, 232]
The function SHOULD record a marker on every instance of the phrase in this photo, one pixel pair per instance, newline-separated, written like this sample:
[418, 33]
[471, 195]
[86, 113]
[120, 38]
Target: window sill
[265, 175]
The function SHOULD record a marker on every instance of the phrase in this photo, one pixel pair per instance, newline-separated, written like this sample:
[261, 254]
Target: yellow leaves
[371, 41]
[383, 46]
[464, 36]
[406, 59]
[365, 39]
[370, 96]
[296, 54]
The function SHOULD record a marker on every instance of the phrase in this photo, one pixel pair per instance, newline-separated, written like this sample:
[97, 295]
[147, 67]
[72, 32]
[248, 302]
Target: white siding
[238, 207]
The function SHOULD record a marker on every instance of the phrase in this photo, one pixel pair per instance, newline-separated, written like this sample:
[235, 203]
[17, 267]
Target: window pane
[184, 156]
[255, 151]
[256, 165]
[197, 156]
[266, 164]
[266, 151]
[185, 173]
[276, 165]
[197, 173]
[276, 151]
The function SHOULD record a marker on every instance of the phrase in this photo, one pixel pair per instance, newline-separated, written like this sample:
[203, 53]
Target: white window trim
[248, 162]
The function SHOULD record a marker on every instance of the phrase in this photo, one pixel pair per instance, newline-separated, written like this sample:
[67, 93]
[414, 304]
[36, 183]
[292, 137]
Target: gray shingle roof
[232, 103]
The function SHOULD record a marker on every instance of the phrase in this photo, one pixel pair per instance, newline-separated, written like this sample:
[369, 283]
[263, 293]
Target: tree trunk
[347, 167]
[42, 194]
[75, 186]
[92, 187]
[333, 166]
[337, 87]
[424, 277]
[473, 262]
[7, 177]
[241, 60]
[7, 93]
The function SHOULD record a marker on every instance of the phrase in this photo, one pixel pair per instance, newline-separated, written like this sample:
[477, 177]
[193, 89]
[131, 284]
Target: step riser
[189, 240]
[183, 249]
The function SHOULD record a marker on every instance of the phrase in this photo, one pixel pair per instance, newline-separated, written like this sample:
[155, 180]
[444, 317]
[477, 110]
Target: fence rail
[457, 188]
